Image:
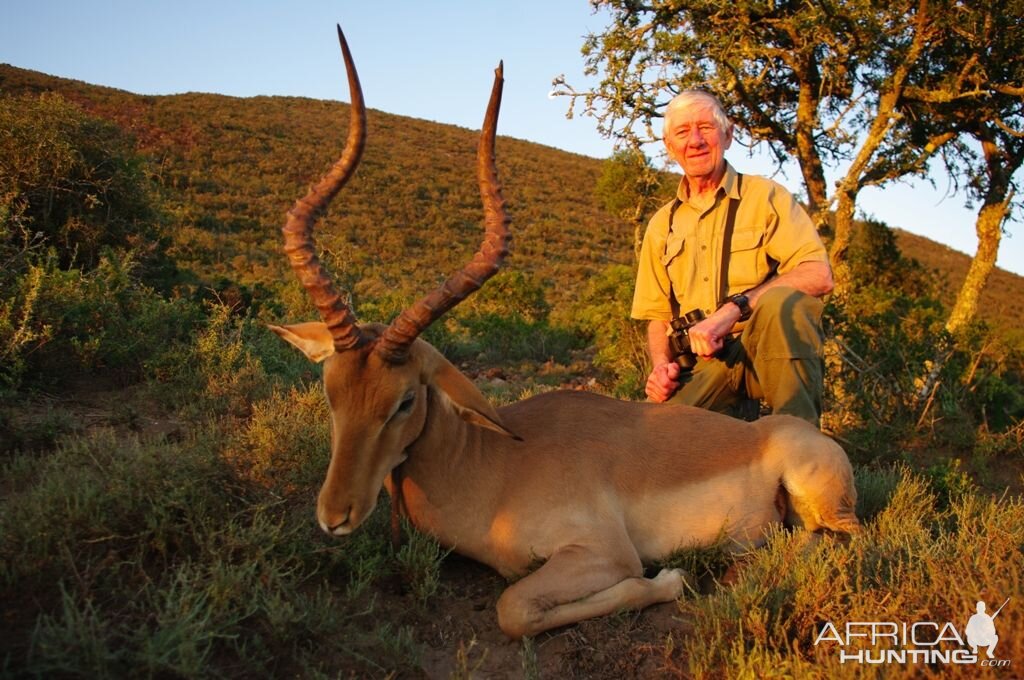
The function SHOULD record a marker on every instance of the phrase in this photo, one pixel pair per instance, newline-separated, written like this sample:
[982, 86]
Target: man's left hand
[708, 336]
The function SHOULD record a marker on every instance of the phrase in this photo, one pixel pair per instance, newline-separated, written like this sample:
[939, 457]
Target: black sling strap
[730, 227]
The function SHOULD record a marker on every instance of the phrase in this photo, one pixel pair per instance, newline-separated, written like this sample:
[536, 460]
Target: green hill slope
[231, 167]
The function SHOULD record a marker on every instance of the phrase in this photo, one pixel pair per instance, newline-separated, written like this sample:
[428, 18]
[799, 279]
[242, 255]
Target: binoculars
[679, 339]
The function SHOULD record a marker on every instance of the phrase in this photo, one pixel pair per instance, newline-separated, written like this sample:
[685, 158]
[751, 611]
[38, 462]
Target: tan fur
[593, 486]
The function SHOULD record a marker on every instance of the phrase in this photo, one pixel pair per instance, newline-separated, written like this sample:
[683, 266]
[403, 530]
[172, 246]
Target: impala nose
[336, 524]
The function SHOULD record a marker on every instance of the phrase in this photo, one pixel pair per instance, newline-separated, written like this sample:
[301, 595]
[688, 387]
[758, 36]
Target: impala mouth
[342, 528]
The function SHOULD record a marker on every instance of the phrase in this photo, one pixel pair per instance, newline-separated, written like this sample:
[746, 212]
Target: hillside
[230, 167]
[1001, 301]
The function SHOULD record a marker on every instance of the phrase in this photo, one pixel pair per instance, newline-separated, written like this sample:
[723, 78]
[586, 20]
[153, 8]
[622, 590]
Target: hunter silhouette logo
[981, 629]
[920, 642]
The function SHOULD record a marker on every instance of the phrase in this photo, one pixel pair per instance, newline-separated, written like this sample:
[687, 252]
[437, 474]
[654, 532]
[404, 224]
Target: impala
[591, 486]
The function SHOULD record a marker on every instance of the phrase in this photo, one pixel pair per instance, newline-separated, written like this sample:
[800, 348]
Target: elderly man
[740, 249]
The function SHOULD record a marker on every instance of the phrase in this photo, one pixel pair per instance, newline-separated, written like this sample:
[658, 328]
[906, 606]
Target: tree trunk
[989, 226]
[845, 207]
[990, 231]
[1000, 166]
[810, 161]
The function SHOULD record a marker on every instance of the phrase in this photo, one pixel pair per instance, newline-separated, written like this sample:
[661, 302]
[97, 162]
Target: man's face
[694, 140]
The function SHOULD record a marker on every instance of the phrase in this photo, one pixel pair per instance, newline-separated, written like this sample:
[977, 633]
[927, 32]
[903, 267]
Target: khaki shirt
[771, 228]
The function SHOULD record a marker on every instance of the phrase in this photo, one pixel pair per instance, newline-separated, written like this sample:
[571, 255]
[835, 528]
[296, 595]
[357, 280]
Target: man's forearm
[657, 342]
[812, 278]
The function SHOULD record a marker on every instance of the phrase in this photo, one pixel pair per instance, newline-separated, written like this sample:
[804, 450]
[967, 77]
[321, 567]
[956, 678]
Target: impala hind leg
[576, 584]
[822, 495]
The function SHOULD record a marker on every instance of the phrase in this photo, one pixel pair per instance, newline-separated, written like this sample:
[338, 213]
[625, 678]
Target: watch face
[743, 303]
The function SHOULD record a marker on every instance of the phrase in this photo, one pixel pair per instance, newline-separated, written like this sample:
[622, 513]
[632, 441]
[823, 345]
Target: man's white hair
[688, 98]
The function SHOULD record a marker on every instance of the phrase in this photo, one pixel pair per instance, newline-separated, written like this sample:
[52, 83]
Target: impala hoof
[673, 582]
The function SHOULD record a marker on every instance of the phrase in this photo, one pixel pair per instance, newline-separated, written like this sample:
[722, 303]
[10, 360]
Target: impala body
[592, 487]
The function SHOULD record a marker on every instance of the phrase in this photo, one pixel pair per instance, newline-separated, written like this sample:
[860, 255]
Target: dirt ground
[463, 638]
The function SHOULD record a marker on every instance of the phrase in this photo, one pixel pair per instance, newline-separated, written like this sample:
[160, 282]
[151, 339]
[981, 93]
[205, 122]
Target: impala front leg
[577, 583]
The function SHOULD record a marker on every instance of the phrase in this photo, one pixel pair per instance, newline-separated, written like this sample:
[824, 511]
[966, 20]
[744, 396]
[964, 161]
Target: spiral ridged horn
[393, 345]
[298, 229]
[395, 342]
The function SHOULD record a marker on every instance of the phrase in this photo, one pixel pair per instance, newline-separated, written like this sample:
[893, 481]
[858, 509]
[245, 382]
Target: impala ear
[471, 405]
[312, 338]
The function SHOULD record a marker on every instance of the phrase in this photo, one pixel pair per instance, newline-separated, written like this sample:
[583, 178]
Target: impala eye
[405, 406]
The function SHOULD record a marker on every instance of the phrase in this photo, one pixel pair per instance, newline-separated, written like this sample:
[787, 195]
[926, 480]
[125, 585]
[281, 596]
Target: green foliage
[56, 323]
[885, 337]
[628, 186]
[74, 178]
[702, 560]
[285, 444]
[229, 364]
[419, 562]
[96, 496]
[156, 558]
[620, 342]
[505, 321]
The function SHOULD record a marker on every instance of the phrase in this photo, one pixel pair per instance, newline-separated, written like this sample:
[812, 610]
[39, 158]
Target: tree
[973, 89]
[984, 64]
[824, 83]
[629, 187]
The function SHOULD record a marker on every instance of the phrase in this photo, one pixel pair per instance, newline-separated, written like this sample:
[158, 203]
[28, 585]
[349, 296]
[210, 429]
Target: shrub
[620, 342]
[230, 364]
[76, 180]
[56, 323]
[507, 320]
[285, 444]
[887, 335]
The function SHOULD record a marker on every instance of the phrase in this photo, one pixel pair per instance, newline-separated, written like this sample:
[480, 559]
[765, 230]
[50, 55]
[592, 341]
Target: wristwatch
[741, 301]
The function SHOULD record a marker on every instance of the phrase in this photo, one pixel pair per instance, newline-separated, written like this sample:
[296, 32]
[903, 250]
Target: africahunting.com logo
[924, 642]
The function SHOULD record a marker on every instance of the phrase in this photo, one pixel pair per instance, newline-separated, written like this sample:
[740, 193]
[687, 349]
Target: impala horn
[393, 345]
[298, 229]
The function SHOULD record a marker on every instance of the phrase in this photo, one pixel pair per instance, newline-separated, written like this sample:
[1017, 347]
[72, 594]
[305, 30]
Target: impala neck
[451, 478]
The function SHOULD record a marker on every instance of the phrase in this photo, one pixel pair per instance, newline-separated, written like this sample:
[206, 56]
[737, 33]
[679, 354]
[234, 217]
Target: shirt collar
[729, 185]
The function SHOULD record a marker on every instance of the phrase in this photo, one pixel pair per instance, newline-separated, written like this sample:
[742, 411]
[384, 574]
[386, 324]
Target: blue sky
[427, 59]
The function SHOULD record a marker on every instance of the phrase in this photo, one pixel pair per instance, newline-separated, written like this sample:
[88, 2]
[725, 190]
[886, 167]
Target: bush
[887, 335]
[76, 180]
[620, 342]
[230, 364]
[57, 323]
[285, 445]
[505, 321]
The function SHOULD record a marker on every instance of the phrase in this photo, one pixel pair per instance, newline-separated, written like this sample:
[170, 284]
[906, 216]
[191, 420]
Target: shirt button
[705, 278]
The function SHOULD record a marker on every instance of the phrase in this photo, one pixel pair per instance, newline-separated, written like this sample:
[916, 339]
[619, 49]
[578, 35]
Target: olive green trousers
[776, 358]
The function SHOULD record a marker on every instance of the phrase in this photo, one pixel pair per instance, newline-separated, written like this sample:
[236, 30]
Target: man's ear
[312, 338]
[471, 405]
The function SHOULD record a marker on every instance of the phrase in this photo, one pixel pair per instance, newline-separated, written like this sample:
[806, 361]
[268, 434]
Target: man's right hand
[663, 381]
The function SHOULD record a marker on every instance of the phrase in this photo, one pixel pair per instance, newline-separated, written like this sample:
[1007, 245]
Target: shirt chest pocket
[673, 246]
[748, 263]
